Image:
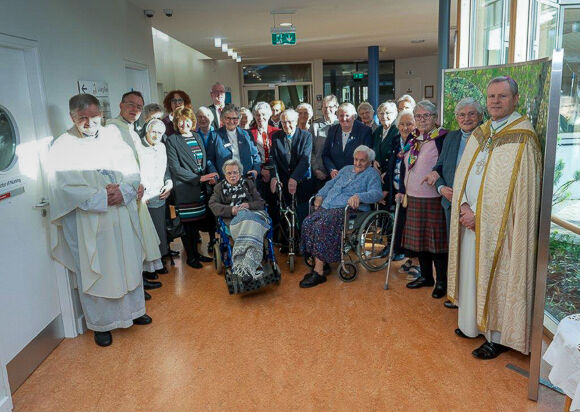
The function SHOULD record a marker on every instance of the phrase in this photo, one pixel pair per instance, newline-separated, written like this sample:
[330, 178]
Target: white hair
[154, 122]
[426, 105]
[214, 85]
[402, 113]
[387, 107]
[290, 114]
[248, 114]
[233, 162]
[365, 149]
[407, 98]
[365, 106]
[347, 108]
[262, 106]
[308, 108]
[331, 98]
[468, 101]
[206, 112]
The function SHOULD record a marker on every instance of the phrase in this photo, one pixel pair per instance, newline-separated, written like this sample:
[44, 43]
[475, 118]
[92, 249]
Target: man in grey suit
[469, 114]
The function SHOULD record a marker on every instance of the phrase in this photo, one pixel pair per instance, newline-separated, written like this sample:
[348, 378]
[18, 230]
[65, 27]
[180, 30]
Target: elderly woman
[343, 138]
[386, 139]
[277, 107]
[366, 115]
[152, 111]
[262, 132]
[357, 186]
[319, 132]
[156, 179]
[246, 118]
[238, 202]
[174, 100]
[305, 114]
[205, 129]
[425, 230]
[189, 171]
[406, 102]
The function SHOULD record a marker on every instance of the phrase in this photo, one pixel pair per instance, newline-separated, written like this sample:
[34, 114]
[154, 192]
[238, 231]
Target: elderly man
[130, 110]
[233, 142]
[319, 132]
[291, 152]
[93, 179]
[218, 97]
[343, 138]
[494, 222]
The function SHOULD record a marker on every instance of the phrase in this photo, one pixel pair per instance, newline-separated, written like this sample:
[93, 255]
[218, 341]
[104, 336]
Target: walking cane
[392, 244]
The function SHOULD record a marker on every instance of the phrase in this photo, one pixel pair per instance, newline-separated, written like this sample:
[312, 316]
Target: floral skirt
[425, 227]
[321, 234]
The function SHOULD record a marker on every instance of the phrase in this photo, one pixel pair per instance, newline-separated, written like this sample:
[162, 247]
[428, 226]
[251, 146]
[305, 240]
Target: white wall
[81, 40]
[181, 67]
[416, 73]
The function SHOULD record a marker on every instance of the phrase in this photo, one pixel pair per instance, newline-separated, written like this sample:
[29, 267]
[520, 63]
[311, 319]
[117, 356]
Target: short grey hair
[365, 106]
[500, 79]
[154, 122]
[214, 85]
[290, 114]
[262, 106]
[82, 101]
[230, 108]
[365, 149]
[206, 112]
[426, 105]
[407, 98]
[347, 108]
[468, 101]
[308, 108]
[233, 162]
[402, 113]
[151, 108]
[331, 98]
[387, 107]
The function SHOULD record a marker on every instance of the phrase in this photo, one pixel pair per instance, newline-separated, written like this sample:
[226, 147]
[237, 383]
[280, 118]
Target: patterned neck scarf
[235, 192]
[416, 141]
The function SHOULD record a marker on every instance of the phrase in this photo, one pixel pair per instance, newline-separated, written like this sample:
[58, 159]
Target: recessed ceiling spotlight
[230, 52]
[286, 24]
[234, 55]
[217, 42]
[417, 41]
[239, 59]
[224, 47]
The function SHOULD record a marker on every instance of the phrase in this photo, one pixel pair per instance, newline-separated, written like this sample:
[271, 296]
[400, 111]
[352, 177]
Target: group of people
[469, 196]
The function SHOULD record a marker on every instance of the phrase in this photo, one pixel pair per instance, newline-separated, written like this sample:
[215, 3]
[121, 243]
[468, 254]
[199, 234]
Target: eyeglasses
[424, 116]
[232, 119]
[464, 115]
[177, 100]
[233, 173]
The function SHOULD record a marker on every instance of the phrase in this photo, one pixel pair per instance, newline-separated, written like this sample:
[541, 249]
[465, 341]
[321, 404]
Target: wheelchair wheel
[349, 274]
[374, 240]
[217, 259]
[291, 262]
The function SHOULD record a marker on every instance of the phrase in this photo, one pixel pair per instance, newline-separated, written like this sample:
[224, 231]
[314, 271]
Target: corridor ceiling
[334, 30]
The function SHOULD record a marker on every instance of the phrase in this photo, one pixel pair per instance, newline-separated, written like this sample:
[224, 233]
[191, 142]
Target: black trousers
[190, 240]
[427, 260]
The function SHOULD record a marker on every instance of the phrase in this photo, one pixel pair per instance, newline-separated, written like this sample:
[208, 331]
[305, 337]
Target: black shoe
[173, 252]
[150, 276]
[162, 271]
[489, 350]
[326, 269]
[194, 263]
[312, 279]
[147, 296]
[398, 257]
[439, 291]
[420, 282]
[103, 338]
[459, 333]
[204, 259]
[449, 305]
[148, 285]
[143, 320]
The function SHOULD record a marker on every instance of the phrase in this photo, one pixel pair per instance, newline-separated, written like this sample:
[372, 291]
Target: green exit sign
[358, 76]
[283, 38]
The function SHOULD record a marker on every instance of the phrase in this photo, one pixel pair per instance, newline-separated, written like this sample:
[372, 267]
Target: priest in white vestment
[494, 221]
[93, 181]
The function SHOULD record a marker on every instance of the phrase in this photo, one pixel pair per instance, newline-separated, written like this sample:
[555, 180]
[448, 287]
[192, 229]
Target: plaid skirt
[425, 226]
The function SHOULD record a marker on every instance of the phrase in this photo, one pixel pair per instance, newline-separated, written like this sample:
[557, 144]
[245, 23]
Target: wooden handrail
[566, 225]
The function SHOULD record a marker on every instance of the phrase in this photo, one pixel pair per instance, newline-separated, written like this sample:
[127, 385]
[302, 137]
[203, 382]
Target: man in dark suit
[291, 153]
[232, 141]
[343, 138]
[218, 97]
[469, 115]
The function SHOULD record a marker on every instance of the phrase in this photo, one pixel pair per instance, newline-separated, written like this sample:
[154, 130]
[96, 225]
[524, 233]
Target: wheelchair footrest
[236, 285]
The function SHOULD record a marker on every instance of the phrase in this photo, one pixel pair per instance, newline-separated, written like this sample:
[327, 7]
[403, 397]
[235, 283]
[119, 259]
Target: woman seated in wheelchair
[238, 202]
[358, 186]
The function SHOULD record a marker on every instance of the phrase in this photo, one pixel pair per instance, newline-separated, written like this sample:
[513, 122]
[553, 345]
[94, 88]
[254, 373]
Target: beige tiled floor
[338, 346]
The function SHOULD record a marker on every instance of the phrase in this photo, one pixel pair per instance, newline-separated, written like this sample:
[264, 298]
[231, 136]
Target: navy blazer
[219, 150]
[216, 117]
[447, 163]
[298, 168]
[333, 156]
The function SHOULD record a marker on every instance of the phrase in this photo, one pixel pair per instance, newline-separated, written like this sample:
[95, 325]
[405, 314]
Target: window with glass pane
[563, 283]
[8, 141]
[491, 32]
[276, 73]
[546, 25]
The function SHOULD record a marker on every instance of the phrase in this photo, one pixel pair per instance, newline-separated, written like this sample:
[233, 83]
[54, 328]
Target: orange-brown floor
[338, 346]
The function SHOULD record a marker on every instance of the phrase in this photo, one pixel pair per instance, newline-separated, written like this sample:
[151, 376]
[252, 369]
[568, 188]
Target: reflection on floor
[339, 345]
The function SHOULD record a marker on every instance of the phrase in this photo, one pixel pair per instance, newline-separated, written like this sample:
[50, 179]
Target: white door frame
[131, 64]
[30, 51]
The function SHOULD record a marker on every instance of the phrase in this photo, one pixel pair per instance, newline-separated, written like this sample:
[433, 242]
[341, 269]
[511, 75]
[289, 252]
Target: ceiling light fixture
[239, 59]
[230, 52]
[224, 47]
[217, 42]
[234, 55]
[286, 24]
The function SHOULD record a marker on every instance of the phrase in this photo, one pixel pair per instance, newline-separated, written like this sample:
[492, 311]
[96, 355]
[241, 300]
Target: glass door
[294, 94]
[255, 94]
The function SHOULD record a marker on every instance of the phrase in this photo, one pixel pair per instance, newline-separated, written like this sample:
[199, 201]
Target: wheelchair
[287, 224]
[223, 261]
[366, 239]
